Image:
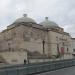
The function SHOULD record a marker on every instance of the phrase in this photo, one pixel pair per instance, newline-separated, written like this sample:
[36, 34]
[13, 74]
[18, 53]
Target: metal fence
[35, 68]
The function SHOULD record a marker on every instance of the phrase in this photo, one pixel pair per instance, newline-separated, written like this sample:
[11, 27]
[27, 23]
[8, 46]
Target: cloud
[6, 13]
[60, 11]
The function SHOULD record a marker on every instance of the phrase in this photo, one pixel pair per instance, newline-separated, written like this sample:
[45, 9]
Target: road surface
[65, 71]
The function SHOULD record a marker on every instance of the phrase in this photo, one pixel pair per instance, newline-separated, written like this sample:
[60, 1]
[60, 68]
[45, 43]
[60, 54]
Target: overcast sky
[60, 11]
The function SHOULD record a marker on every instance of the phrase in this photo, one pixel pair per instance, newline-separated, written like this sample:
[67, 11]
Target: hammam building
[26, 40]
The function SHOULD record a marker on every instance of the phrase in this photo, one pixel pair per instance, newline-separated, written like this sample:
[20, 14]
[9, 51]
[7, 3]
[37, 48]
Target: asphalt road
[65, 71]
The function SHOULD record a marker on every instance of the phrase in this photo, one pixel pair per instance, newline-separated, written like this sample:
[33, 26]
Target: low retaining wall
[29, 69]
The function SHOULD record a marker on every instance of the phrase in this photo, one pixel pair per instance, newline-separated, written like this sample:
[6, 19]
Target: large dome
[49, 24]
[25, 18]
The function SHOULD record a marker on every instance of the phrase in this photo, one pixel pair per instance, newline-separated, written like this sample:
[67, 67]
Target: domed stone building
[49, 24]
[26, 40]
[25, 18]
[59, 41]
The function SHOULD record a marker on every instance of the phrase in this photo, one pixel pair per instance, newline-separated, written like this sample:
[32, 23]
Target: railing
[35, 68]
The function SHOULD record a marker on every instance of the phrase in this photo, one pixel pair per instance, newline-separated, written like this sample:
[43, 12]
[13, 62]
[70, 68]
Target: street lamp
[58, 46]
[43, 42]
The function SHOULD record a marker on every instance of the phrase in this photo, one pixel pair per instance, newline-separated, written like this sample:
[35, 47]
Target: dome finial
[25, 15]
[46, 18]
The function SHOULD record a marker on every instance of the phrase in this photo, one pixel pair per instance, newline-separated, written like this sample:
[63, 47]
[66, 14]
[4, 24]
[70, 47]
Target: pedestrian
[24, 61]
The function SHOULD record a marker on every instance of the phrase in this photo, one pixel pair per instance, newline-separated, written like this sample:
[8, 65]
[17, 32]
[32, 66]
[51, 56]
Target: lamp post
[43, 42]
[58, 46]
[9, 47]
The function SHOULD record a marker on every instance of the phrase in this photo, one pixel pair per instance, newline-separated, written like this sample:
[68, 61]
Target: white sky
[60, 11]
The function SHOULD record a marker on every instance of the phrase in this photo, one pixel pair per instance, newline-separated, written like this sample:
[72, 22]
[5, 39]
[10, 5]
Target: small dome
[25, 18]
[49, 24]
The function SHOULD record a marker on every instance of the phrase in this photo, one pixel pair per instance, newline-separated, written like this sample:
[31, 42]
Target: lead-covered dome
[25, 18]
[49, 24]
